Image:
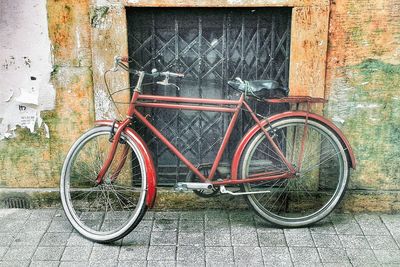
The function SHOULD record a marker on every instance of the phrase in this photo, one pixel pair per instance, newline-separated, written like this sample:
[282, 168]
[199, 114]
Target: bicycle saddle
[259, 88]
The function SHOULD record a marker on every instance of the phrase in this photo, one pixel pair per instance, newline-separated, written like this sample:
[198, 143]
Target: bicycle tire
[109, 211]
[316, 190]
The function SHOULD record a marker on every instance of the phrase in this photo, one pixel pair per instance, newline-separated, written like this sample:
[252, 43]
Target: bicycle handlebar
[120, 60]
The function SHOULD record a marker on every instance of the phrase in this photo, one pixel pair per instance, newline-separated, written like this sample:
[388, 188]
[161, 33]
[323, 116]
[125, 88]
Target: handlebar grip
[173, 74]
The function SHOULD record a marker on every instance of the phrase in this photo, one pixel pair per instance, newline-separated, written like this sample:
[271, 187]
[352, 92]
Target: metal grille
[16, 203]
[211, 47]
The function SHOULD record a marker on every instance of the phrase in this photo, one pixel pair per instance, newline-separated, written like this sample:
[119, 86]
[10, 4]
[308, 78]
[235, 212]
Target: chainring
[205, 170]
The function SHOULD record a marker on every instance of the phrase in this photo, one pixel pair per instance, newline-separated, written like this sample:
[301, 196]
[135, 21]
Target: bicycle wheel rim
[299, 217]
[112, 227]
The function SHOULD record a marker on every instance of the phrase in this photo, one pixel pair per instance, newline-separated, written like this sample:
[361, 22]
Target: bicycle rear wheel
[317, 188]
[110, 210]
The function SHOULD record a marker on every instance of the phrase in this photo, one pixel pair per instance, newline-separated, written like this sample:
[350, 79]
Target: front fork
[111, 154]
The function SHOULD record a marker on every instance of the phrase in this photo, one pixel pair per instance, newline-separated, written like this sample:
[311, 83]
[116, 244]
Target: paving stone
[216, 215]
[117, 243]
[104, 253]
[42, 214]
[77, 240]
[3, 251]
[15, 263]
[392, 222]
[247, 256]
[346, 224]
[132, 263]
[19, 253]
[133, 253]
[171, 215]
[264, 226]
[354, 241]
[54, 239]
[191, 264]
[74, 264]
[27, 239]
[163, 238]
[242, 225]
[338, 264]
[276, 256]
[44, 264]
[371, 224]
[242, 216]
[333, 255]
[11, 226]
[148, 216]
[191, 226]
[219, 264]
[387, 256]
[219, 254]
[191, 239]
[304, 255]
[217, 225]
[7, 238]
[382, 242]
[59, 215]
[48, 253]
[323, 227]
[217, 238]
[204, 238]
[244, 236]
[326, 240]
[192, 216]
[299, 237]
[35, 226]
[271, 239]
[191, 254]
[144, 226]
[361, 256]
[103, 263]
[15, 214]
[165, 225]
[161, 253]
[136, 239]
[160, 263]
[308, 264]
[80, 254]
[60, 227]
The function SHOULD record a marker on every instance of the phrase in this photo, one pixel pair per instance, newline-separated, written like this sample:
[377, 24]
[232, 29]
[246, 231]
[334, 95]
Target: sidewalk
[203, 238]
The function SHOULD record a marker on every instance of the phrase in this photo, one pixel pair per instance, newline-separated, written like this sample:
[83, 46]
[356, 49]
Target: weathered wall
[356, 68]
[25, 69]
[363, 88]
[63, 88]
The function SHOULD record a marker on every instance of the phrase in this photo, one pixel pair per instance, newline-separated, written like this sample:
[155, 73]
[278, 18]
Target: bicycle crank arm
[192, 186]
[223, 190]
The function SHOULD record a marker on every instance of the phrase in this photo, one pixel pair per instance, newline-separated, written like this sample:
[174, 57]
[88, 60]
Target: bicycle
[292, 167]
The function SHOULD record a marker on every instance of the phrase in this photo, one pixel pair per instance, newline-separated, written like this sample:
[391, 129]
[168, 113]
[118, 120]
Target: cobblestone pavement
[204, 238]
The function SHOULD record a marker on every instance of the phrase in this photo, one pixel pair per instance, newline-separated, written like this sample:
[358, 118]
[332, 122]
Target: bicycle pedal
[181, 187]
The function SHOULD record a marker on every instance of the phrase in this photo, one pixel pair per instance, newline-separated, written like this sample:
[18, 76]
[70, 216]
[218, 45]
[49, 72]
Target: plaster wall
[25, 57]
[347, 51]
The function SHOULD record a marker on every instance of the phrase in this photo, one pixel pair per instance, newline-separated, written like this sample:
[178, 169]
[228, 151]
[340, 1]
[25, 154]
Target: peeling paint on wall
[25, 66]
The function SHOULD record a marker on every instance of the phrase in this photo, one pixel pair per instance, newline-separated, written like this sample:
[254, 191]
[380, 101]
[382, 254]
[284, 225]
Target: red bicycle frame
[210, 105]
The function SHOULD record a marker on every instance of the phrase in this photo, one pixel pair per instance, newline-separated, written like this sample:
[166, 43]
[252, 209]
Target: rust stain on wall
[70, 32]
[308, 50]
[363, 71]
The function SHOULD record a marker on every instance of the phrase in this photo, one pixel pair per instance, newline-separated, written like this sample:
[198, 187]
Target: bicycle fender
[151, 174]
[247, 137]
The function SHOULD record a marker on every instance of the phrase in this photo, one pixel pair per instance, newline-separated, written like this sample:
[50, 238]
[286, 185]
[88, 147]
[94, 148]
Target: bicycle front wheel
[320, 158]
[110, 210]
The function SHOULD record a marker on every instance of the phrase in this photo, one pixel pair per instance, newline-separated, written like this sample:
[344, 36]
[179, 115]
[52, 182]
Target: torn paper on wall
[25, 66]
